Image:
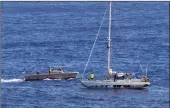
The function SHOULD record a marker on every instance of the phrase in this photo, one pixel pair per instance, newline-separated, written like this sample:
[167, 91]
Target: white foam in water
[11, 80]
[60, 79]
[51, 79]
[47, 79]
[71, 78]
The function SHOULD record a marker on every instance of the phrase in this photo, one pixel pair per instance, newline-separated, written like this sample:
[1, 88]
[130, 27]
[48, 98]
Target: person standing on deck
[115, 76]
[92, 76]
[49, 70]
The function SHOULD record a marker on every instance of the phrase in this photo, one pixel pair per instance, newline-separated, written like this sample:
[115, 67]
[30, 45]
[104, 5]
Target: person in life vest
[91, 76]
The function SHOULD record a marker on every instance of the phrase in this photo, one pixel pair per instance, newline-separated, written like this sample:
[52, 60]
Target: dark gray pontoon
[52, 74]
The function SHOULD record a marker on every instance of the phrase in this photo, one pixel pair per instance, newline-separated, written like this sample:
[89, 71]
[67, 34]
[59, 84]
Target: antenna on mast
[146, 72]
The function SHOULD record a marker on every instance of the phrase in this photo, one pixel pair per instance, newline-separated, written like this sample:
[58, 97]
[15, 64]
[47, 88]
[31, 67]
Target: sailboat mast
[108, 46]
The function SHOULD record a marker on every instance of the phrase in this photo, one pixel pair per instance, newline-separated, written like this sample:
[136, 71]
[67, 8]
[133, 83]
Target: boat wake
[59, 79]
[71, 78]
[14, 80]
[51, 79]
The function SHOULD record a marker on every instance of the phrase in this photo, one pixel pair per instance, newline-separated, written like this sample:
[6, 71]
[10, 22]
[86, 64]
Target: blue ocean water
[36, 35]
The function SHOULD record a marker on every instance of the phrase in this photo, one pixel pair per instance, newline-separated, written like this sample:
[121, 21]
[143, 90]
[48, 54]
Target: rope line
[94, 43]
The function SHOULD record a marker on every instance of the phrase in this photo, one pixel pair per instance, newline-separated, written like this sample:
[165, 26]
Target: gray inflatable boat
[52, 74]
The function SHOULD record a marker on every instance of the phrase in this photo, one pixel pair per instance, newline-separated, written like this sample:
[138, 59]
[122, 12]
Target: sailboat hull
[134, 83]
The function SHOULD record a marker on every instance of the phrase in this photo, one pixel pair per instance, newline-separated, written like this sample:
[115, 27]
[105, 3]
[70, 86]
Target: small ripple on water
[85, 98]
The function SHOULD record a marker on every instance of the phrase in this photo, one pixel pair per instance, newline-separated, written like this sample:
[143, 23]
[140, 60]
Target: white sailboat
[120, 80]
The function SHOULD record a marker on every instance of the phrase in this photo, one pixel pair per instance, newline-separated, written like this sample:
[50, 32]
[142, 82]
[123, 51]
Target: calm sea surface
[37, 35]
